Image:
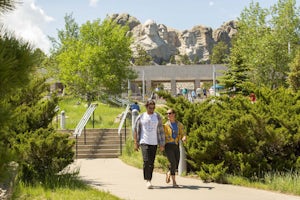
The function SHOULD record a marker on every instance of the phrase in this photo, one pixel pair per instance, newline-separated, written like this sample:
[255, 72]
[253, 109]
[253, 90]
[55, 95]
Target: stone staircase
[100, 143]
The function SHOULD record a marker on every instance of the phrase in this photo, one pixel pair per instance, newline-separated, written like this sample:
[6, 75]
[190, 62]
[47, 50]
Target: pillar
[197, 84]
[173, 87]
[182, 160]
[62, 120]
[148, 89]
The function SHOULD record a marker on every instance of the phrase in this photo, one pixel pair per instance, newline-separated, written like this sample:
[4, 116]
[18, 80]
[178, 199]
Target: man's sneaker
[149, 185]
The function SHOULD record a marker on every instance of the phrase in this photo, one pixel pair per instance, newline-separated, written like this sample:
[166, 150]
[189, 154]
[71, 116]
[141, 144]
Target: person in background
[193, 94]
[135, 106]
[252, 97]
[174, 132]
[198, 92]
[148, 134]
[135, 110]
[184, 92]
[204, 92]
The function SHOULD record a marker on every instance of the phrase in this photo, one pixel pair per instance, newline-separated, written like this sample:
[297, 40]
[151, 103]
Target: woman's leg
[171, 155]
[172, 152]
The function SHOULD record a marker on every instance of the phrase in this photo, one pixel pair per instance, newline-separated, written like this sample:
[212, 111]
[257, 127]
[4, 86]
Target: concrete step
[102, 146]
[98, 138]
[96, 151]
[101, 143]
[97, 156]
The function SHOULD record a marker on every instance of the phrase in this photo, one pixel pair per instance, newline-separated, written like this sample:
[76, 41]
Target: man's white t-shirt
[149, 129]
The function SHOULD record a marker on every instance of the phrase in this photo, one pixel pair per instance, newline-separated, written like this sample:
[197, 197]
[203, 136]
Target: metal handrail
[124, 115]
[82, 123]
[80, 126]
[119, 101]
[122, 122]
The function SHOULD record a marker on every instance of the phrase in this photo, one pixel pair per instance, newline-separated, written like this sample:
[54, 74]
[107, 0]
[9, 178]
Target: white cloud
[28, 22]
[211, 3]
[93, 3]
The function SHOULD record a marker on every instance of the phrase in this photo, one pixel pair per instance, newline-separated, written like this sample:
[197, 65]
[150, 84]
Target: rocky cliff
[162, 42]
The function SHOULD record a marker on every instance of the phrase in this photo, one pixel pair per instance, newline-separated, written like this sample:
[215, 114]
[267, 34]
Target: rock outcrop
[162, 42]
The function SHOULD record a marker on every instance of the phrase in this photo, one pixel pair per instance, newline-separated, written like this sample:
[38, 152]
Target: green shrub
[250, 138]
[162, 162]
[40, 151]
[213, 173]
[43, 154]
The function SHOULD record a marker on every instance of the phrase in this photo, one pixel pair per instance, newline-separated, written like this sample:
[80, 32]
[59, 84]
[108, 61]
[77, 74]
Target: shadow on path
[190, 187]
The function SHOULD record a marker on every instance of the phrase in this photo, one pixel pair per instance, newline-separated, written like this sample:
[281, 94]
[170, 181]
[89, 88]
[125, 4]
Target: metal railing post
[125, 130]
[121, 144]
[76, 153]
[93, 119]
[84, 131]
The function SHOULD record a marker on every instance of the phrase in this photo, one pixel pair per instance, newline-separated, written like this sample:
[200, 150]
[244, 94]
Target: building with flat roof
[174, 76]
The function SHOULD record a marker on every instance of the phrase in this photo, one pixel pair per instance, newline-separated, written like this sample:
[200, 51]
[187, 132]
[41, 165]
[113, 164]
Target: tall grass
[288, 182]
[284, 182]
[130, 156]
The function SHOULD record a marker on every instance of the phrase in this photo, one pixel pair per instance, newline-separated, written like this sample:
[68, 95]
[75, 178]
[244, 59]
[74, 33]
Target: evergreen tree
[17, 60]
[294, 75]
[237, 77]
[262, 42]
[196, 59]
[220, 53]
[185, 60]
[142, 58]
[41, 151]
[7, 5]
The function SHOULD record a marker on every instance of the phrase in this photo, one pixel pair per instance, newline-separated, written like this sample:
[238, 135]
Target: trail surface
[127, 183]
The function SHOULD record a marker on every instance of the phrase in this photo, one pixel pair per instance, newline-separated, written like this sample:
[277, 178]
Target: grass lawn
[62, 193]
[105, 116]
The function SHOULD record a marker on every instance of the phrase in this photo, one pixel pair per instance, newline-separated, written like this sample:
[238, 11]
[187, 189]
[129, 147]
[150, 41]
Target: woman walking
[174, 132]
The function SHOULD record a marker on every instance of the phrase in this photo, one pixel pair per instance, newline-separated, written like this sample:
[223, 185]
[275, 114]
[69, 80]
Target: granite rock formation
[162, 42]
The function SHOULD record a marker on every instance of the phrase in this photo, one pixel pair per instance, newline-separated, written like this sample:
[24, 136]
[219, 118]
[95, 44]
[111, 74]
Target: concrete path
[127, 182]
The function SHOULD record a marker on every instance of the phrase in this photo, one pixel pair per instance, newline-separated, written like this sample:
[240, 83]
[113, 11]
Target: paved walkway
[127, 183]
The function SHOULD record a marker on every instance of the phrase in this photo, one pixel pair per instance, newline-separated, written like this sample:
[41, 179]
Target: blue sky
[34, 20]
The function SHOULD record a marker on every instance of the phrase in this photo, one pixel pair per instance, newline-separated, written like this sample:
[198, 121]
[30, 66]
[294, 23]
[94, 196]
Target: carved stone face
[150, 28]
[163, 31]
[188, 38]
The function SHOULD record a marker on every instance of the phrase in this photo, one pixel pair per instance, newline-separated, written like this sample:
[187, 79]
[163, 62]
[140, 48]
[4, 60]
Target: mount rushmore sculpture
[162, 42]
